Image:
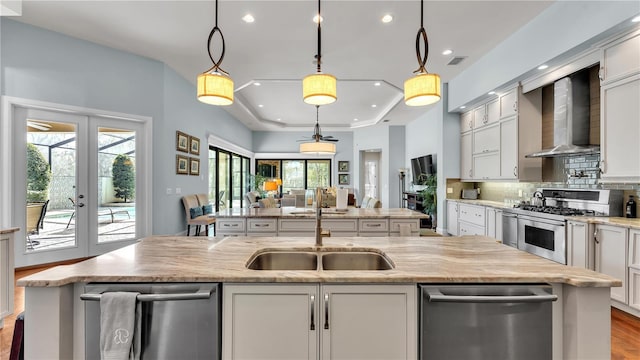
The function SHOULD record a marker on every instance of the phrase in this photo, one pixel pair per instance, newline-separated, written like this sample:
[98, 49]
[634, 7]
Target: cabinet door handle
[515, 106]
[326, 311]
[470, 124]
[601, 74]
[469, 172]
[595, 236]
[313, 310]
[515, 171]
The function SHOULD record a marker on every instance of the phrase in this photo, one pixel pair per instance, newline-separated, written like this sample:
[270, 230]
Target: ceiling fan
[38, 125]
[317, 135]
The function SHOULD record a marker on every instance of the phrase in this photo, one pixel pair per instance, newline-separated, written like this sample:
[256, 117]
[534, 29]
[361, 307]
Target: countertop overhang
[331, 213]
[468, 259]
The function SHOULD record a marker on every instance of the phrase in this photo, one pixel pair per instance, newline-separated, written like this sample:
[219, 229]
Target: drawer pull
[230, 225]
[374, 225]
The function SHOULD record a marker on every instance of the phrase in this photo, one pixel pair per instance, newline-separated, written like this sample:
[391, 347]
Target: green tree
[38, 175]
[124, 179]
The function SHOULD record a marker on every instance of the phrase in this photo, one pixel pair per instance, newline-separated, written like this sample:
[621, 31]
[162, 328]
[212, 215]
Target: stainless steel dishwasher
[486, 322]
[179, 321]
[510, 228]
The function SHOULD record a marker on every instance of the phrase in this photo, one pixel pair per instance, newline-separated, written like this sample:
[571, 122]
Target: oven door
[542, 237]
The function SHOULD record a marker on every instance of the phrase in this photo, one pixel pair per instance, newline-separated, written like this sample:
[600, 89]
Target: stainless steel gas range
[541, 229]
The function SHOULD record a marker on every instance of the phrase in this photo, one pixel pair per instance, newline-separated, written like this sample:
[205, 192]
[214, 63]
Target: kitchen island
[55, 313]
[292, 221]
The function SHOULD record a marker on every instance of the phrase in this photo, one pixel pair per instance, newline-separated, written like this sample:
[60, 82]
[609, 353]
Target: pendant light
[318, 147]
[319, 88]
[424, 88]
[215, 87]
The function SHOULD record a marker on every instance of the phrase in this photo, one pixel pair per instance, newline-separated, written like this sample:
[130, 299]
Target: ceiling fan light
[422, 89]
[319, 89]
[215, 88]
[318, 148]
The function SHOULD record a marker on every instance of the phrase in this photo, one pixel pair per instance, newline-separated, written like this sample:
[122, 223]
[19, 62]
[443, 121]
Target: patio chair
[103, 211]
[194, 205]
[35, 220]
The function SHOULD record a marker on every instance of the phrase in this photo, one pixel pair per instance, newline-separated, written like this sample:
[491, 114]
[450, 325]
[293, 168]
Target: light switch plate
[169, 191]
[178, 191]
[449, 190]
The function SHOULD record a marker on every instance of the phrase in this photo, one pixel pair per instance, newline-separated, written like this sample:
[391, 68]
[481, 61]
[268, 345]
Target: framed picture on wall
[194, 145]
[182, 141]
[194, 166]
[343, 166]
[182, 165]
[343, 179]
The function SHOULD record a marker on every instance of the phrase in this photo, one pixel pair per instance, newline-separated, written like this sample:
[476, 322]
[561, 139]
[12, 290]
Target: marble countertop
[293, 212]
[468, 259]
[9, 230]
[494, 204]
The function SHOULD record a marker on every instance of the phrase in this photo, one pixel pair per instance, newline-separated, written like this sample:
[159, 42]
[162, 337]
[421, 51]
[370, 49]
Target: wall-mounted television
[422, 165]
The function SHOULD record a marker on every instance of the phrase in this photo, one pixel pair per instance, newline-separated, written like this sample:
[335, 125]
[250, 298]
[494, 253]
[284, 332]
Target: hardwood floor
[625, 328]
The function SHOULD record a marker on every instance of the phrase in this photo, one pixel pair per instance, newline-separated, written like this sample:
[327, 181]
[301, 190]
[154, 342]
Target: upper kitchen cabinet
[620, 111]
[503, 131]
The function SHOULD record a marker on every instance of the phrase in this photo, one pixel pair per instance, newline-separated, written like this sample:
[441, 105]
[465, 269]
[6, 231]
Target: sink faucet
[319, 232]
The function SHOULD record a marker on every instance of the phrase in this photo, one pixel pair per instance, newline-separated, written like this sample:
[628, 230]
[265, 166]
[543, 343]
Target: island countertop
[349, 213]
[468, 259]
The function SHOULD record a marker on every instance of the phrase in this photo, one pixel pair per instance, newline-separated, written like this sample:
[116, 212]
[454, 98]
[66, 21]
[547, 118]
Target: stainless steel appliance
[179, 321]
[541, 230]
[486, 322]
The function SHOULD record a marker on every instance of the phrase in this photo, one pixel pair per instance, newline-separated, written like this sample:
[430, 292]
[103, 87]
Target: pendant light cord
[319, 56]
[422, 34]
[216, 29]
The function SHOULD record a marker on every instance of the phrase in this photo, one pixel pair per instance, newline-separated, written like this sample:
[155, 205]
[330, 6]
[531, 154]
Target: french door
[78, 184]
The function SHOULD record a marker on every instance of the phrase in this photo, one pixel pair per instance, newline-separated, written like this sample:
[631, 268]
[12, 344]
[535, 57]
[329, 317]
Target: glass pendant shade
[215, 88]
[422, 89]
[319, 89]
[318, 148]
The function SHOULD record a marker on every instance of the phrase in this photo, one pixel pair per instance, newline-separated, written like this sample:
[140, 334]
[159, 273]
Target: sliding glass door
[228, 178]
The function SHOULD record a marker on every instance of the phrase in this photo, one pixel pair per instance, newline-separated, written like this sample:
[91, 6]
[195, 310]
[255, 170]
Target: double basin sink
[320, 259]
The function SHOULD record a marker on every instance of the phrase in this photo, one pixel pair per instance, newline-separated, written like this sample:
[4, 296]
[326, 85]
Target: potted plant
[428, 195]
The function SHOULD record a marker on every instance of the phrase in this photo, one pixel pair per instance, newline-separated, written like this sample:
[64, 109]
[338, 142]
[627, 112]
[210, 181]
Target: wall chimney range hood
[570, 118]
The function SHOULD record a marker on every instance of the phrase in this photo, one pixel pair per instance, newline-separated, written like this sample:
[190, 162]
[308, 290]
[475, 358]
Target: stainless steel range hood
[570, 118]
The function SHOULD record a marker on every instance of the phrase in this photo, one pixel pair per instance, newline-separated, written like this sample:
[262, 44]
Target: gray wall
[43, 65]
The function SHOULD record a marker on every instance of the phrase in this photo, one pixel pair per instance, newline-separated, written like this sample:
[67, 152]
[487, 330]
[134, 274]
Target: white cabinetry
[580, 247]
[319, 321]
[634, 269]
[493, 224]
[411, 226]
[611, 256]
[471, 219]
[262, 227]
[342, 227]
[374, 227]
[494, 147]
[620, 110]
[452, 217]
[231, 226]
[6, 276]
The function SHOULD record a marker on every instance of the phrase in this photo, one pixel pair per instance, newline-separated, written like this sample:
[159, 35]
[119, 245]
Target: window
[296, 174]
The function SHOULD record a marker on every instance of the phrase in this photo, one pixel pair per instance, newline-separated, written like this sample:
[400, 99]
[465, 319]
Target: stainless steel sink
[352, 260]
[284, 260]
[324, 259]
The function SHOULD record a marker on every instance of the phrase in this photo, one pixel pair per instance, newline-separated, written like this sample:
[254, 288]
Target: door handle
[80, 204]
[515, 171]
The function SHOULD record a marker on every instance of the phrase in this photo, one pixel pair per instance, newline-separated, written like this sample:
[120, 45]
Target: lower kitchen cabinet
[634, 287]
[471, 219]
[303, 321]
[580, 247]
[6, 276]
[452, 218]
[493, 226]
[611, 256]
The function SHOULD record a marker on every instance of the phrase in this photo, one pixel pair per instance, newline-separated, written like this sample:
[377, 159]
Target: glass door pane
[51, 183]
[213, 175]
[318, 173]
[236, 180]
[224, 175]
[116, 195]
[292, 175]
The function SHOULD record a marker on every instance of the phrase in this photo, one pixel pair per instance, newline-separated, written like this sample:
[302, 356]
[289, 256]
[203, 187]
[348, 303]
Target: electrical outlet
[520, 193]
[478, 191]
[169, 191]
[449, 190]
[178, 191]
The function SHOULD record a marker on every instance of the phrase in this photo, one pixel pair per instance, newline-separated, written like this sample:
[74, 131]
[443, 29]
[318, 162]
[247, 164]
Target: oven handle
[434, 295]
[204, 292]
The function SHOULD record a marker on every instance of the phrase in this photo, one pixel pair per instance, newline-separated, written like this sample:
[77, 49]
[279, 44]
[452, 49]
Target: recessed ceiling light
[257, 84]
[248, 18]
[492, 92]
[387, 18]
[542, 67]
[377, 83]
[356, 119]
[260, 105]
[315, 19]
[463, 107]
[374, 105]
[447, 52]
[636, 19]
[279, 119]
